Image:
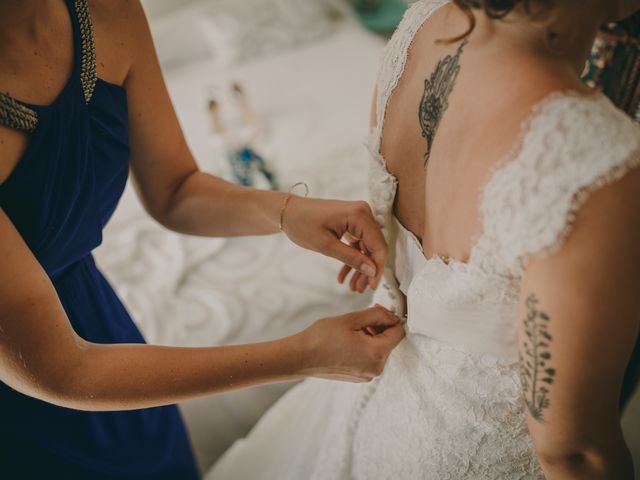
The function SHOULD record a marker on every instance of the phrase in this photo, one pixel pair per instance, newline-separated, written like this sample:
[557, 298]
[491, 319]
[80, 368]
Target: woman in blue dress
[83, 103]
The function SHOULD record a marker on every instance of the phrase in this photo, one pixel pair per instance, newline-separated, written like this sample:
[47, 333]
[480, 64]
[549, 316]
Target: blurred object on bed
[247, 166]
[240, 31]
[250, 169]
[380, 16]
[233, 31]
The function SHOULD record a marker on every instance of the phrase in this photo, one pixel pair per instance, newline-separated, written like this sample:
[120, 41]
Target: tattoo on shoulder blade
[535, 371]
[435, 99]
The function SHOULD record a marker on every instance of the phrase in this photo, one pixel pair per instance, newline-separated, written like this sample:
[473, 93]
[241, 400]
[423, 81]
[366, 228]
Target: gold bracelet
[286, 200]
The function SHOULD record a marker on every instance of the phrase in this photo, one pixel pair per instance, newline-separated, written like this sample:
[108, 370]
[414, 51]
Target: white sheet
[189, 291]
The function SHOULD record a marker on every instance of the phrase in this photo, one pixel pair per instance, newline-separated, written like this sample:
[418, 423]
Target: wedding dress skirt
[437, 412]
[449, 404]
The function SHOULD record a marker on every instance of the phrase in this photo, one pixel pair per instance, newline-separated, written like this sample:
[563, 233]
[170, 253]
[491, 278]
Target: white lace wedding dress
[449, 404]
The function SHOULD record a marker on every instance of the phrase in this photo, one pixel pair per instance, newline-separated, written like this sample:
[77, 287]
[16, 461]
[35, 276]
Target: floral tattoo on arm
[537, 374]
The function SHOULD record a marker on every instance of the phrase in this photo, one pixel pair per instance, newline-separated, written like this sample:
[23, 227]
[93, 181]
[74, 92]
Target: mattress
[313, 104]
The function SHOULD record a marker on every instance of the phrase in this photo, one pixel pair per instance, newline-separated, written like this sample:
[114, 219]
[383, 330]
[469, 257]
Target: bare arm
[183, 198]
[580, 315]
[168, 180]
[41, 356]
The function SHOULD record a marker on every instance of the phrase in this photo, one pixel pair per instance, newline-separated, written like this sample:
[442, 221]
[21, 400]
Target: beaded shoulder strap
[15, 115]
[88, 74]
[20, 117]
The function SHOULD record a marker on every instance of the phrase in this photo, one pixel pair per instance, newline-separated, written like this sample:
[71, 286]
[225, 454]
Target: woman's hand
[340, 348]
[186, 200]
[359, 281]
[43, 357]
[321, 225]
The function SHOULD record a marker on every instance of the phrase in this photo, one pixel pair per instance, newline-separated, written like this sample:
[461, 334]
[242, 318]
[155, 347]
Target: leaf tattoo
[535, 371]
[435, 99]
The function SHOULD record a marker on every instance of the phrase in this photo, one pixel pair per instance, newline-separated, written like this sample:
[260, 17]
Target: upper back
[450, 114]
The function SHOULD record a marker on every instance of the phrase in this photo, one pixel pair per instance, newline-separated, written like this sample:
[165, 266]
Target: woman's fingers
[352, 257]
[367, 248]
[392, 335]
[354, 281]
[351, 239]
[358, 281]
[321, 226]
[362, 283]
[376, 316]
[387, 327]
[354, 345]
[342, 275]
[372, 241]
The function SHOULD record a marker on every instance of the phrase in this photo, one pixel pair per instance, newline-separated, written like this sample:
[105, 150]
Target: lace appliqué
[573, 145]
[441, 413]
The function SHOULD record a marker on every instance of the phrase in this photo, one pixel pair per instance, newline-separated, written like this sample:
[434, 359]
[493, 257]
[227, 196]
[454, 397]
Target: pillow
[237, 31]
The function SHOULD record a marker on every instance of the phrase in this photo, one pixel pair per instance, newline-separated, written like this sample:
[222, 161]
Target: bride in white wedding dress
[520, 278]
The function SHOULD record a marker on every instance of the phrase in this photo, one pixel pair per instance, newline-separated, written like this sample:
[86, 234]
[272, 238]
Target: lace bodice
[571, 144]
[457, 373]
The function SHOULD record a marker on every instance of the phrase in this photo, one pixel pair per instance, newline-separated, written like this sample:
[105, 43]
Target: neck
[20, 17]
[566, 39]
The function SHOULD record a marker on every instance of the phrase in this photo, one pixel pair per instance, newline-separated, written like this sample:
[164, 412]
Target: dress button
[380, 218]
[386, 196]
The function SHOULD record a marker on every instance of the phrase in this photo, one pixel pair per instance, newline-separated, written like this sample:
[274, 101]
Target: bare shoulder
[593, 161]
[117, 13]
[609, 216]
[122, 35]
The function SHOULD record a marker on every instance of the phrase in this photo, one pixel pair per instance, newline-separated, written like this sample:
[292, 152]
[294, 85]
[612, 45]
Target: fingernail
[368, 270]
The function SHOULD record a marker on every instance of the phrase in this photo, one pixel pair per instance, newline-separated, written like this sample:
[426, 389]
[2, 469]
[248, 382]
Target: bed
[313, 102]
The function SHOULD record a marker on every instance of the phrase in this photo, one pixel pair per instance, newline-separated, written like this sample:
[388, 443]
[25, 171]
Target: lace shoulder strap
[395, 56]
[573, 145]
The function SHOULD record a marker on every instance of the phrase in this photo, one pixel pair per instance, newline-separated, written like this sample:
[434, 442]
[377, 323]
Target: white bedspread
[190, 291]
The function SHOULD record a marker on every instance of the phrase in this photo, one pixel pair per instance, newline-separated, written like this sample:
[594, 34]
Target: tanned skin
[41, 355]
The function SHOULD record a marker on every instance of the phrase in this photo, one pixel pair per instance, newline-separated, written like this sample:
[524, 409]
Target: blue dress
[59, 197]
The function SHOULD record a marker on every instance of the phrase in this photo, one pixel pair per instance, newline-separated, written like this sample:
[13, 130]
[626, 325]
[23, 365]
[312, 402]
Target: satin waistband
[409, 259]
[476, 328]
[486, 329]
